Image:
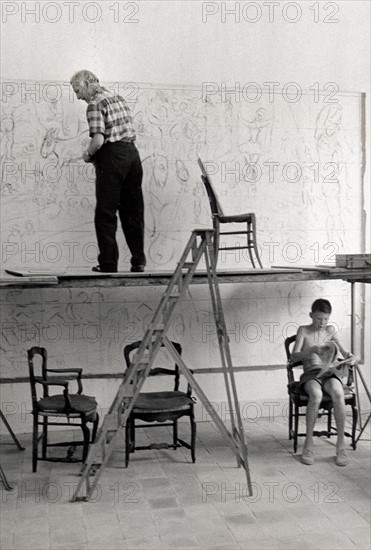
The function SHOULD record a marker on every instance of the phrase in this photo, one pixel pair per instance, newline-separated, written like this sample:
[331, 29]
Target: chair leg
[86, 434]
[35, 436]
[257, 255]
[175, 434]
[95, 428]
[290, 419]
[253, 225]
[296, 428]
[250, 244]
[132, 435]
[216, 225]
[45, 437]
[193, 438]
[127, 442]
[329, 422]
[354, 426]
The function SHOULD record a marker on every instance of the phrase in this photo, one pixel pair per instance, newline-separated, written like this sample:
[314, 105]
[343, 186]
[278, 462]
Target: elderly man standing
[118, 172]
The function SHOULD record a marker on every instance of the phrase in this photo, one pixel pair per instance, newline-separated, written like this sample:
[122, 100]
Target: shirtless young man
[317, 347]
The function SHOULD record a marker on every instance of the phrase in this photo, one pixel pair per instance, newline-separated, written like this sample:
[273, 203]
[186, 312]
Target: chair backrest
[288, 342]
[155, 371]
[31, 367]
[215, 205]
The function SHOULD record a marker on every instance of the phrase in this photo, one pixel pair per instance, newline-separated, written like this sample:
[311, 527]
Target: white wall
[170, 43]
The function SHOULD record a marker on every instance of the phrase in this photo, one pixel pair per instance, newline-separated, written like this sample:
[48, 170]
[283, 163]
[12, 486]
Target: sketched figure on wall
[160, 249]
[332, 168]
[257, 135]
[64, 150]
[7, 142]
[156, 169]
[182, 175]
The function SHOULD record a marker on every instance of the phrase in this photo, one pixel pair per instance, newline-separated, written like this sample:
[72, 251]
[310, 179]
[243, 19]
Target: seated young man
[317, 347]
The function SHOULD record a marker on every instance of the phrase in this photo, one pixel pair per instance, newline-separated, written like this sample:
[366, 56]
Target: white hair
[86, 76]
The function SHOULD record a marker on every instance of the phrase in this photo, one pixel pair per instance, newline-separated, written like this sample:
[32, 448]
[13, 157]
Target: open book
[340, 368]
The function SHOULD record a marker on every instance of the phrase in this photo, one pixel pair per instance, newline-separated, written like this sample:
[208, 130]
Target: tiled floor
[163, 501]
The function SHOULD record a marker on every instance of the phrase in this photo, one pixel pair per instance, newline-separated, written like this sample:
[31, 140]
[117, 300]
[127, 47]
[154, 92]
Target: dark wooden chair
[164, 407]
[248, 222]
[298, 400]
[67, 409]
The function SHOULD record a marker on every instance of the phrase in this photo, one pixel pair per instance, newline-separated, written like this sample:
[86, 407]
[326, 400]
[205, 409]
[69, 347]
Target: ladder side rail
[195, 385]
[84, 475]
[220, 316]
[224, 349]
[219, 329]
[218, 421]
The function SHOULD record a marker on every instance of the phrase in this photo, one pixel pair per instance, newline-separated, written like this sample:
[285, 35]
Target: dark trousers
[119, 188]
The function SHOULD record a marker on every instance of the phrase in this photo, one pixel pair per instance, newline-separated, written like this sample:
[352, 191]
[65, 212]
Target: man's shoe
[137, 268]
[342, 458]
[307, 457]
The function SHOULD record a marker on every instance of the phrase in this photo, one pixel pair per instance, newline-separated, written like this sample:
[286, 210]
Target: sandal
[307, 457]
[342, 458]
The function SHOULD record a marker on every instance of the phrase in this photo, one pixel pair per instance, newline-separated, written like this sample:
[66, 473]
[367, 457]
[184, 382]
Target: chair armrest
[350, 379]
[46, 383]
[290, 374]
[76, 371]
[64, 383]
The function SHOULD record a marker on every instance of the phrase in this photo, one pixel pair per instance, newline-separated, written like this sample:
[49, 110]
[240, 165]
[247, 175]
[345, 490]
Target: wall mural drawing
[297, 165]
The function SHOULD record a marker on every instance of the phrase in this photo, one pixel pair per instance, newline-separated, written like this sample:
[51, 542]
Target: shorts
[312, 375]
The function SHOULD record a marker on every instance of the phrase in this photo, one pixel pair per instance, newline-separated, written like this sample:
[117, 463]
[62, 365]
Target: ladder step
[188, 265]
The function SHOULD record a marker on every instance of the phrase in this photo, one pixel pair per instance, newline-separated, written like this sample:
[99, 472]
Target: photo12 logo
[271, 12]
[51, 92]
[252, 92]
[69, 12]
[270, 491]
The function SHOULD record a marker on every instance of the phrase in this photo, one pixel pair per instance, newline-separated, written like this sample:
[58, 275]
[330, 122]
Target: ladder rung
[235, 247]
[143, 360]
[188, 265]
[110, 422]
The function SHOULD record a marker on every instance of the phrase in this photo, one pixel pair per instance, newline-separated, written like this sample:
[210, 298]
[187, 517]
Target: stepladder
[199, 248]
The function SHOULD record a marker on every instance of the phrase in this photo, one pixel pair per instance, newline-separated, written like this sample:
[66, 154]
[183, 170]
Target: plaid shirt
[108, 114]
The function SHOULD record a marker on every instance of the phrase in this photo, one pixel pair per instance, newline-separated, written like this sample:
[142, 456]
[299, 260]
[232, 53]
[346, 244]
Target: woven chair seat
[294, 388]
[237, 218]
[80, 404]
[165, 401]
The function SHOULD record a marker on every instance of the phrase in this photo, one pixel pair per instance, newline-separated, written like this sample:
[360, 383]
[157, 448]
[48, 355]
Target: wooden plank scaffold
[200, 245]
